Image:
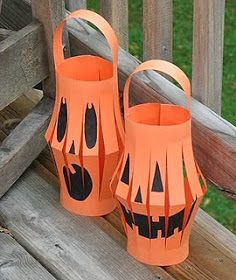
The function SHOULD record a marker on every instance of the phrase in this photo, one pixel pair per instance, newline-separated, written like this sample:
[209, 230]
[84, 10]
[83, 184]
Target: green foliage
[214, 203]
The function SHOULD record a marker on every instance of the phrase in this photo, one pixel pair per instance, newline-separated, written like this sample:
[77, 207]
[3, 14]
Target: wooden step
[73, 247]
[16, 262]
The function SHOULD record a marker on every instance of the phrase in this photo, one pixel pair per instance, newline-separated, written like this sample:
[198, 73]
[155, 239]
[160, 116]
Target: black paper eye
[157, 183]
[125, 175]
[80, 184]
[62, 121]
[90, 127]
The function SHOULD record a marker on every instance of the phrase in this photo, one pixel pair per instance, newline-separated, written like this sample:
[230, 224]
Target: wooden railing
[25, 61]
[208, 34]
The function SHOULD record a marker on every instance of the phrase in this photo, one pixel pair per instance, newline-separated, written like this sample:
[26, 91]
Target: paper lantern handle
[93, 18]
[166, 68]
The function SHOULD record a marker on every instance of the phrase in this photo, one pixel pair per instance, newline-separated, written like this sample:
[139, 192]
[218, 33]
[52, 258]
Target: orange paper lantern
[160, 185]
[86, 129]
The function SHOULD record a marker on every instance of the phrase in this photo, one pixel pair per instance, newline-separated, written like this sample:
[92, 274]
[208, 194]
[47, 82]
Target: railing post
[49, 13]
[208, 38]
[73, 5]
[116, 13]
[157, 29]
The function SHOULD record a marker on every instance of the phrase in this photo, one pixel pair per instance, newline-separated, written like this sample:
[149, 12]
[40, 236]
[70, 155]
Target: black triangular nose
[157, 183]
[138, 197]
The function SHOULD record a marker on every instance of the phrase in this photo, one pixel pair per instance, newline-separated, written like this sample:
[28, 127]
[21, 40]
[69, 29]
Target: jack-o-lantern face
[147, 225]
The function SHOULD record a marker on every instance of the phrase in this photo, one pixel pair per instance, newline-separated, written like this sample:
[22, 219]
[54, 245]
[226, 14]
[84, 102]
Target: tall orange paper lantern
[160, 185]
[86, 130]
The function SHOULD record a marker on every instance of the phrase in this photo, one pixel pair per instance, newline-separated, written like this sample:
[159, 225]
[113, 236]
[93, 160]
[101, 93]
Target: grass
[222, 209]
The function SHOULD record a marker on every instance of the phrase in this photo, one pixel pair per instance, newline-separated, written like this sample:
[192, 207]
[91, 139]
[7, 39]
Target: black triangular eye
[72, 148]
[138, 197]
[157, 183]
[90, 127]
[125, 175]
[62, 121]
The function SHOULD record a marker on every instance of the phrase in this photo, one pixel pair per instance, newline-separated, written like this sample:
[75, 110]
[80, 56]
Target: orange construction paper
[158, 184]
[86, 129]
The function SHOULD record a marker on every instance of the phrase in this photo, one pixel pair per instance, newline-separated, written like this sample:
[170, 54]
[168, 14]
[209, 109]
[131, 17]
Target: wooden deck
[41, 240]
[48, 242]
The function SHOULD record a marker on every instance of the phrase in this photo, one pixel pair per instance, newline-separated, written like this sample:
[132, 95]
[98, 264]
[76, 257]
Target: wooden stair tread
[16, 262]
[73, 247]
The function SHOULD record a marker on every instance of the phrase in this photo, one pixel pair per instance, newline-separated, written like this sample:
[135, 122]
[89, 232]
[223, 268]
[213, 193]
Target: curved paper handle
[95, 19]
[164, 67]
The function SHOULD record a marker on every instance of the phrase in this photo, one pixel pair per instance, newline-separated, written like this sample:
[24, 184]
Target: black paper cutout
[142, 222]
[138, 197]
[80, 184]
[62, 121]
[72, 148]
[90, 127]
[157, 183]
[175, 221]
[125, 175]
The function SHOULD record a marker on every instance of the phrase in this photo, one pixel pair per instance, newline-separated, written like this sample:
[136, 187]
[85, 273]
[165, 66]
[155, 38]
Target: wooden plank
[23, 65]
[49, 13]
[24, 144]
[71, 247]
[4, 33]
[73, 5]
[157, 29]
[116, 13]
[16, 263]
[12, 16]
[0, 6]
[214, 138]
[208, 39]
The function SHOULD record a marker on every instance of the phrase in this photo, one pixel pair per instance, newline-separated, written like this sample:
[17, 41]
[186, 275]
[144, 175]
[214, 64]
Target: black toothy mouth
[149, 228]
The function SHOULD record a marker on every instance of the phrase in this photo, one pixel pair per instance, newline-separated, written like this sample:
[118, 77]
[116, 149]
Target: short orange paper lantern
[86, 130]
[160, 185]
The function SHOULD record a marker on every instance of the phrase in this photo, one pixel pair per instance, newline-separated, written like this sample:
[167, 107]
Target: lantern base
[88, 208]
[161, 258]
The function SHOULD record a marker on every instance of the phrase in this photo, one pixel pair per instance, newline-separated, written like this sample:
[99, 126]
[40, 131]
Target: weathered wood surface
[4, 33]
[157, 29]
[214, 138]
[116, 13]
[16, 263]
[66, 251]
[23, 64]
[13, 11]
[24, 144]
[208, 40]
[49, 13]
[0, 6]
[70, 247]
[73, 5]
